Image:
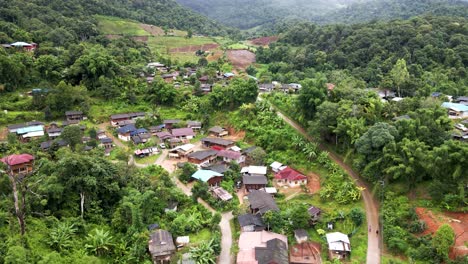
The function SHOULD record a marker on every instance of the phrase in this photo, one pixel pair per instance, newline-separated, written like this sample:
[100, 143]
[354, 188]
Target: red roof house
[19, 164]
[291, 177]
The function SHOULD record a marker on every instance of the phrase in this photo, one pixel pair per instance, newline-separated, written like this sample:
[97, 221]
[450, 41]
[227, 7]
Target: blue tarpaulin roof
[126, 129]
[457, 107]
[29, 129]
[138, 132]
[205, 175]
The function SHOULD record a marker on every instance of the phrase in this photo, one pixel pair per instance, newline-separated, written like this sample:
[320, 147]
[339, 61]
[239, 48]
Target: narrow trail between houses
[226, 233]
[374, 246]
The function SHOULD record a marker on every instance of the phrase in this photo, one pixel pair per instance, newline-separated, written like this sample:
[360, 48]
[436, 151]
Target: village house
[276, 166]
[204, 79]
[254, 182]
[106, 143]
[161, 246]
[221, 193]
[30, 132]
[155, 129]
[46, 145]
[211, 177]
[168, 78]
[183, 133]
[174, 142]
[314, 213]
[141, 138]
[251, 223]
[124, 133]
[119, 120]
[21, 164]
[254, 171]
[100, 134]
[54, 132]
[218, 167]
[338, 245]
[456, 110]
[206, 88]
[229, 156]
[157, 66]
[262, 248]
[195, 125]
[261, 202]
[169, 123]
[217, 131]
[163, 136]
[266, 87]
[16, 127]
[74, 117]
[461, 100]
[202, 157]
[181, 151]
[217, 143]
[290, 177]
[22, 45]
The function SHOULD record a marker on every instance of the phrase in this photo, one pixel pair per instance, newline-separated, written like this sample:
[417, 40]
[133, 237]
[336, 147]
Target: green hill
[269, 15]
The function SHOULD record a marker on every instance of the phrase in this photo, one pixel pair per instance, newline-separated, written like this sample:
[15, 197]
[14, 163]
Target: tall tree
[399, 74]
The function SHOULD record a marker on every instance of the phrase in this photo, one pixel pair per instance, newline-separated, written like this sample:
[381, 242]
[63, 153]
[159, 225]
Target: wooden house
[161, 246]
[202, 157]
[251, 223]
[21, 164]
[74, 117]
[217, 143]
[217, 131]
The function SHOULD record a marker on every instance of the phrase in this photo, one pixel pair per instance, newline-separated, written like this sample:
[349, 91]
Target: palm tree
[61, 236]
[99, 242]
[298, 142]
[204, 253]
[310, 150]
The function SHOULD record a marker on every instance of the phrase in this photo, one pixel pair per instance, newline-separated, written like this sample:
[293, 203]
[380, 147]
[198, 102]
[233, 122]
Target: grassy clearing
[118, 26]
[164, 44]
[203, 236]
[148, 160]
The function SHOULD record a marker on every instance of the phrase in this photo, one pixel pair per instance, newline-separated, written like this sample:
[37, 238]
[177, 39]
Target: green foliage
[61, 236]
[204, 253]
[99, 242]
[443, 239]
[72, 135]
[187, 171]
[357, 216]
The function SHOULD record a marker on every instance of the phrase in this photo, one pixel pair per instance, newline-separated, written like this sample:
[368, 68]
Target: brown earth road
[372, 214]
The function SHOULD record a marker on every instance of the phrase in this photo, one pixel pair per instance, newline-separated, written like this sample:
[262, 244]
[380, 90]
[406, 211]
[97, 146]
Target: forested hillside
[165, 13]
[265, 16]
[363, 11]
[406, 147]
[246, 14]
[435, 49]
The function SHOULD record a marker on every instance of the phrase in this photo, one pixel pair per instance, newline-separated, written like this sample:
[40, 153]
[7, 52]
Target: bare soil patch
[313, 183]
[153, 30]
[241, 59]
[263, 41]
[458, 221]
[3, 134]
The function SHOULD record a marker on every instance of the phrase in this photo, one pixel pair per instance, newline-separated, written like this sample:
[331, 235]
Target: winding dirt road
[372, 214]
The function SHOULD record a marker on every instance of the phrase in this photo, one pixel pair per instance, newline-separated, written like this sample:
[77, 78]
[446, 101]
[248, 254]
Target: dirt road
[372, 213]
[224, 226]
